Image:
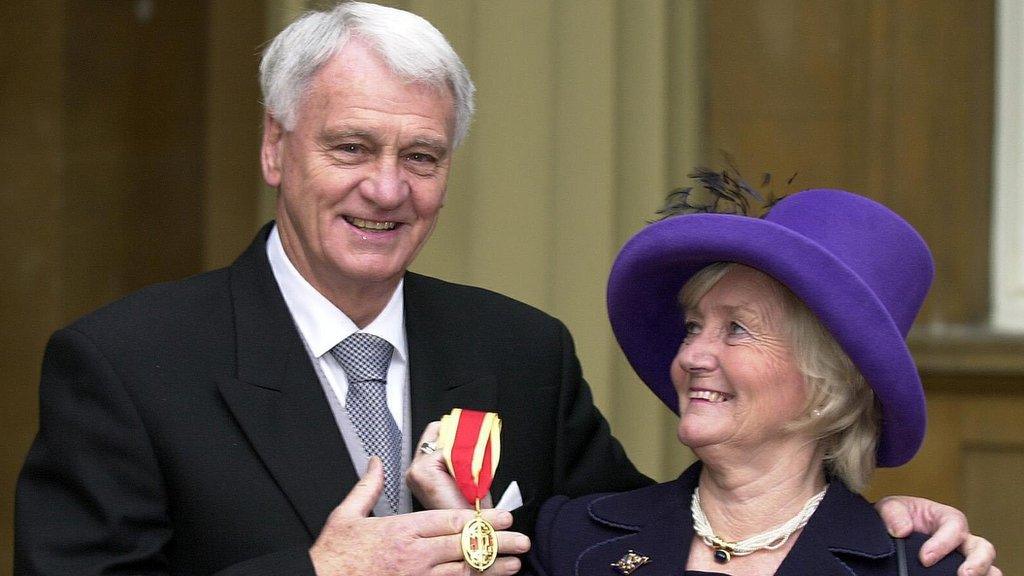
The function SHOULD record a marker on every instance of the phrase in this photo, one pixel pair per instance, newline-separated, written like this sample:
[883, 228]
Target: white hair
[412, 48]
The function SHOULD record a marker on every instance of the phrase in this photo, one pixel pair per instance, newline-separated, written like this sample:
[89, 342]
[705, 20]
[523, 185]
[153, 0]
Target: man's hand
[429, 480]
[420, 543]
[948, 527]
[428, 476]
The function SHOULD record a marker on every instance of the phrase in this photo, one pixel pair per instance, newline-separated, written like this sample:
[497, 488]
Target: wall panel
[972, 456]
[103, 156]
[890, 98]
[31, 156]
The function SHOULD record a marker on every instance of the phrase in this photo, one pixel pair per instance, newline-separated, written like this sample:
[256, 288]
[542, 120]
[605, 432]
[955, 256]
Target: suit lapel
[442, 370]
[821, 547]
[660, 518]
[277, 398]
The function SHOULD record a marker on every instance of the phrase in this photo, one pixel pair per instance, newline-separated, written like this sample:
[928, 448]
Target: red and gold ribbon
[471, 442]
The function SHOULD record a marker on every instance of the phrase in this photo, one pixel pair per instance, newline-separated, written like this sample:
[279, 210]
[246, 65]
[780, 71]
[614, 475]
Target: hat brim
[646, 317]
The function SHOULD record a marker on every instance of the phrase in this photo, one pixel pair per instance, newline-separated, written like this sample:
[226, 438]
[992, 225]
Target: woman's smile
[710, 396]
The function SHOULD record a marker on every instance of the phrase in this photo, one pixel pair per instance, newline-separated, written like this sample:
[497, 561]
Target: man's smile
[371, 224]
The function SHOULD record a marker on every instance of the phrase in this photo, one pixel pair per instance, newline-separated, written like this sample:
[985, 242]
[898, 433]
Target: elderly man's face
[735, 373]
[362, 175]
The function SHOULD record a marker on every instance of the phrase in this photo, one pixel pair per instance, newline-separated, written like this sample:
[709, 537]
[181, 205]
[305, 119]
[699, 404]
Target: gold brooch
[630, 562]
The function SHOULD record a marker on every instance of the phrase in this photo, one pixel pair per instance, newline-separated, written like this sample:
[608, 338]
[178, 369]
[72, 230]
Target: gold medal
[479, 543]
[472, 446]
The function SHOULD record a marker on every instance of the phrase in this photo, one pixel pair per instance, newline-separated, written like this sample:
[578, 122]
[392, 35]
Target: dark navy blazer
[844, 537]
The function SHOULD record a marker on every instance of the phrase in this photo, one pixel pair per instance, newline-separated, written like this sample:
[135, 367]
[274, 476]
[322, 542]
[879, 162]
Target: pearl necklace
[770, 540]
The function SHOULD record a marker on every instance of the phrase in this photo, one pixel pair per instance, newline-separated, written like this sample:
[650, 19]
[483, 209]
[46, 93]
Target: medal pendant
[479, 543]
[472, 445]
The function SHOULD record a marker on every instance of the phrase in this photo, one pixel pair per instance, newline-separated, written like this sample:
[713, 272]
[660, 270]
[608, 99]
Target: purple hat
[858, 266]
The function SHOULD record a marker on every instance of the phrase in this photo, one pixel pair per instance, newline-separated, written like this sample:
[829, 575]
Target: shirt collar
[320, 322]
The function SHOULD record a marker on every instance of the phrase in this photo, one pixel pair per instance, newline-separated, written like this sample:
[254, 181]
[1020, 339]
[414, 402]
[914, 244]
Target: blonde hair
[841, 410]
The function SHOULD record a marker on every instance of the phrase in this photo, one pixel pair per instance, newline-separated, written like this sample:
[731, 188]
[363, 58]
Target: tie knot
[363, 357]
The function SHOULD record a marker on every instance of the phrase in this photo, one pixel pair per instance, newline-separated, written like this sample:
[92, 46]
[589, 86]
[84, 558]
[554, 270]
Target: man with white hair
[221, 424]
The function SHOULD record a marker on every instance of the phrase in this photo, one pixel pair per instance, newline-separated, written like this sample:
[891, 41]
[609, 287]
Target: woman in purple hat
[777, 332]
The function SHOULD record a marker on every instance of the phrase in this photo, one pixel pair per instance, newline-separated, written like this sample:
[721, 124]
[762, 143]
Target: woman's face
[735, 373]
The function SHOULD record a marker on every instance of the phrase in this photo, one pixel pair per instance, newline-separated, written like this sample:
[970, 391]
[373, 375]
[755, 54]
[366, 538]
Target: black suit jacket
[183, 429]
[844, 537]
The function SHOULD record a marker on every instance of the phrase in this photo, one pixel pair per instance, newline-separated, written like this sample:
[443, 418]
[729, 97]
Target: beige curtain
[588, 112]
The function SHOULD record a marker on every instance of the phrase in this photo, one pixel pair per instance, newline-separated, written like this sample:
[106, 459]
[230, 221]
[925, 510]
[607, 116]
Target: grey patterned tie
[365, 359]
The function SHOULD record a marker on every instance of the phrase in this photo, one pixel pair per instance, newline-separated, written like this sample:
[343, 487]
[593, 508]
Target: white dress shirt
[322, 326]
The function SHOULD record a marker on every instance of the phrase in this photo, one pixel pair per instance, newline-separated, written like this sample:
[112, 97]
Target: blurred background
[131, 131]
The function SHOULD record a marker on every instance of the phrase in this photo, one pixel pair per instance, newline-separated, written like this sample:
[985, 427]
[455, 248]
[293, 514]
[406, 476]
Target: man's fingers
[453, 562]
[429, 434]
[949, 531]
[447, 547]
[364, 495]
[896, 515]
[980, 554]
[505, 566]
[500, 519]
[513, 543]
[501, 567]
[946, 538]
[509, 543]
[431, 523]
